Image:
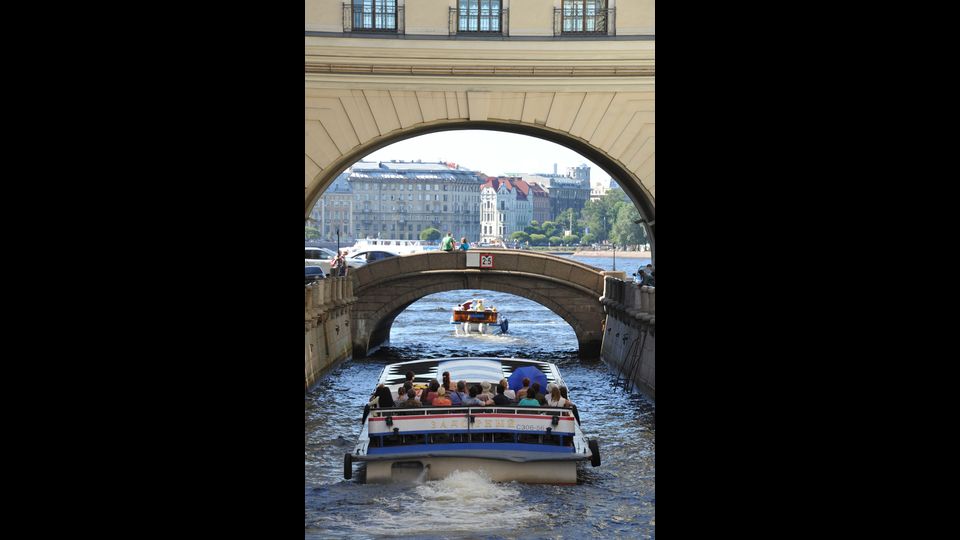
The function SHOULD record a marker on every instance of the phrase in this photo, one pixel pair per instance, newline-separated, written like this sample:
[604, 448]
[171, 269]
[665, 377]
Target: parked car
[322, 257]
[365, 257]
[313, 273]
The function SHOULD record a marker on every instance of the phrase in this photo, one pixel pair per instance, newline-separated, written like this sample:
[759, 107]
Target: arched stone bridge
[385, 288]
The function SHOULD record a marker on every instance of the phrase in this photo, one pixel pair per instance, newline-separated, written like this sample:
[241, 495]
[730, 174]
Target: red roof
[510, 183]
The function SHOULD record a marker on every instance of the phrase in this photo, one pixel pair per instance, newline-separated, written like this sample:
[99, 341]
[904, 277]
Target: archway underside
[377, 310]
[612, 126]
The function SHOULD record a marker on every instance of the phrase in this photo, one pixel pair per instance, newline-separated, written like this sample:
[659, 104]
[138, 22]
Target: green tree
[626, 230]
[588, 238]
[533, 227]
[538, 240]
[571, 239]
[430, 234]
[311, 233]
[520, 236]
[601, 215]
[555, 240]
[549, 228]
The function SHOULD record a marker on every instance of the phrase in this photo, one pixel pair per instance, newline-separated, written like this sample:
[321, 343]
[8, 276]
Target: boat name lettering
[528, 426]
[459, 423]
[498, 423]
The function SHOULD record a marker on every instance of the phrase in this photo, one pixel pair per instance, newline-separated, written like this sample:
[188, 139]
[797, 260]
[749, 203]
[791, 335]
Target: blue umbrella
[515, 382]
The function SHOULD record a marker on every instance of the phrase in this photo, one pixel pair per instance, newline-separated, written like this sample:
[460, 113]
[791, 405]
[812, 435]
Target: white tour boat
[400, 247]
[510, 442]
[477, 317]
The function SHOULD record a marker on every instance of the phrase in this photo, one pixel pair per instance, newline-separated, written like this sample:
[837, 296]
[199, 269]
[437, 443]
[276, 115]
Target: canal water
[615, 500]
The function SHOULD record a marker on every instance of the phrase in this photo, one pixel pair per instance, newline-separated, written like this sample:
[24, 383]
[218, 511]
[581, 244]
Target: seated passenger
[460, 394]
[428, 395]
[555, 399]
[487, 394]
[441, 400]
[447, 384]
[521, 393]
[382, 397]
[411, 400]
[511, 395]
[501, 397]
[535, 393]
[473, 400]
[563, 394]
[407, 386]
[528, 402]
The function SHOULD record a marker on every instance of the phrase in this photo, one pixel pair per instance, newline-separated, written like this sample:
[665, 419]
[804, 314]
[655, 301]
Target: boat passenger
[473, 400]
[410, 376]
[411, 400]
[511, 395]
[480, 305]
[441, 400]
[563, 394]
[529, 402]
[383, 396]
[487, 394]
[521, 393]
[535, 393]
[459, 395]
[447, 384]
[427, 396]
[407, 386]
[555, 399]
[501, 397]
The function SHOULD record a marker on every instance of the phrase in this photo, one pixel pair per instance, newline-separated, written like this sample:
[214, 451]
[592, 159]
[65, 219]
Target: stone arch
[385, 288]
[615, 130]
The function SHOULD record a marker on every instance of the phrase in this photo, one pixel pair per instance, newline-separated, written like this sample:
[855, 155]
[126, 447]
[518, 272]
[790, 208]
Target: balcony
[473, 23]
[574, 20]
[359, 18]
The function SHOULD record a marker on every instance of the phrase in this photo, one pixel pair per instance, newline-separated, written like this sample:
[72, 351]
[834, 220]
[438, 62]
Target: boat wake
[464, 504]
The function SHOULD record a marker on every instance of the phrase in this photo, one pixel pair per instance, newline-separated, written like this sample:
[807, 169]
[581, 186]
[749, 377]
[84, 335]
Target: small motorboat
[477, 317]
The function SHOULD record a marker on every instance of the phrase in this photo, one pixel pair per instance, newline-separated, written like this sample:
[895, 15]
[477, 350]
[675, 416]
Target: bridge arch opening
[532, 328]
[639, 194]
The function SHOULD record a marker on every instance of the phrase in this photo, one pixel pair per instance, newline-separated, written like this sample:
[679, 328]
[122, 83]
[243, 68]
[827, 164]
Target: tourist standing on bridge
[447, 243]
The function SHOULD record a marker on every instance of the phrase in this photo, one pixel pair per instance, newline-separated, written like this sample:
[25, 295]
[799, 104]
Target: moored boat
[473, 317]
[505, 442]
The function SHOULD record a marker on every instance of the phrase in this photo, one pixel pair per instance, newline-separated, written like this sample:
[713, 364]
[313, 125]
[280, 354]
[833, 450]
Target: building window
[478, 16]
[585, 16]
[375, 15]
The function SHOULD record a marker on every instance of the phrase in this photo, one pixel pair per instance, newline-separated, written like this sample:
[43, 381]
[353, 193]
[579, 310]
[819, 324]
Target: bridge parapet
[569, 288]
[326, 324]
[629, 338]
[504, 260]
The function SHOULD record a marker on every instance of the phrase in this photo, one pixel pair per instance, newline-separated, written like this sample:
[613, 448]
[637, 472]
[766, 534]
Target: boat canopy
[472, 369]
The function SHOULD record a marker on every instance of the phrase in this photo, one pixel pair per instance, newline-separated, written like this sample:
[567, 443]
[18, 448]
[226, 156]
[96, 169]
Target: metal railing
[602, 23]
[453, 22]
[361, 20]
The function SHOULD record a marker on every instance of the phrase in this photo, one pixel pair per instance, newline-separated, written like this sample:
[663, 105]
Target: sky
[494, 153]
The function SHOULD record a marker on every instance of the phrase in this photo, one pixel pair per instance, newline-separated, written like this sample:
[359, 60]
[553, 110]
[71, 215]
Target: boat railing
[554, 426]
[496, 409]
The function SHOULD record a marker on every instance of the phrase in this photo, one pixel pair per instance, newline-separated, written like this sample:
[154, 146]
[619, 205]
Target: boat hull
[475, 328]
[437, 468]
